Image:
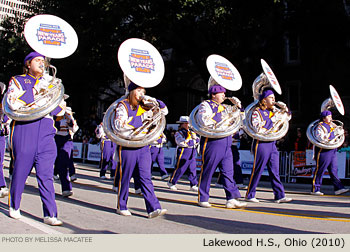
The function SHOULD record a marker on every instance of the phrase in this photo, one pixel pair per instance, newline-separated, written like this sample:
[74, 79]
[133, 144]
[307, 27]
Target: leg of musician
[107, 149]
[181, 165]
[71, 166]
[44, 164]
[192, 177]
[128, 161]
[3, 188]
[112, 161]
[322, 162]
[262, 152]
[143, 168]
[23, 151]
[160, 161]
[333, 172]
[226, 169]
[237, 174]
[62, 161]
[273, 169]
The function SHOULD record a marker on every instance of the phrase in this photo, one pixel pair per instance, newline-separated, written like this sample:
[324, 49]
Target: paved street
[92, 210]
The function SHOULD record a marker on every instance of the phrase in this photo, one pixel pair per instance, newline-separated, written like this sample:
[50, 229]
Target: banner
[77, 150]
[94, 152]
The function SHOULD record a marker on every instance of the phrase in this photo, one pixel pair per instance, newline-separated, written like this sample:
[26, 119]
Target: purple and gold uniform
[216, 152]
[186, 153]
[157, 154]
[265, 154]
[134, 159]
[32, 144]
[326, 159]
[64, 143]
[107, 151]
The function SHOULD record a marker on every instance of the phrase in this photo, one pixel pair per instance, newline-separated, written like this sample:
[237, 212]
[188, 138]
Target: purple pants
[265, 154]
[64, 149]
[108, 149]
[138, 160]
[216, 152]
[2, 155]
[33, 145]
[326, 160]
[186, 160]
[237, 169]
[157, 155]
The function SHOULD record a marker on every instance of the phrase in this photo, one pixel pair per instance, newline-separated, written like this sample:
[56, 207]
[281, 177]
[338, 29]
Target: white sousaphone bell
[52, 37]
[333, 101]
[223, 73]
[266, 79]
[142, 64]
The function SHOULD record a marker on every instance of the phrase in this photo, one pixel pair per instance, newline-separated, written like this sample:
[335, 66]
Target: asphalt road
[92, 210]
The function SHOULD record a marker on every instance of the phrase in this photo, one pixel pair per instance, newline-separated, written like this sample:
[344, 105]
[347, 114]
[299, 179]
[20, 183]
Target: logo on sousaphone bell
[224, 71]
[51, 35]
[141, 61]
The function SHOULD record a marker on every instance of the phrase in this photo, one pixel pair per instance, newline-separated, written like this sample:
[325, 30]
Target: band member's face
[138, 93]
[184, 125]
[270, 101]
[219, 97]
[36, 66]
[327, 119]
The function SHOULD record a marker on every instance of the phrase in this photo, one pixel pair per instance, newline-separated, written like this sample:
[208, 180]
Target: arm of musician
[163, 107]
[99, 131]
[321, 133]
[257, 122]
[180, 140]
[164, 140]
[121, 120]
[59, 110]
[14, 95]
[205, 114]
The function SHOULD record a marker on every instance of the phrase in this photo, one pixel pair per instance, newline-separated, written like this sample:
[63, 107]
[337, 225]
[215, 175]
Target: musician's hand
[338, 131]
[190, 143]
[237, 101]
[147, 115]
[276, 117]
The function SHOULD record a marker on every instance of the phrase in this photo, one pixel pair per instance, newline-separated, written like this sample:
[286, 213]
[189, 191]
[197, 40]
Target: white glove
[149, 100]
[43, 83]
[276, 117]
[237, 101]
[147, 115]
[338, 131]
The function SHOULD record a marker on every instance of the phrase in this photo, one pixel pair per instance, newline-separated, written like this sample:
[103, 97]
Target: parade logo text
[51, 35]
[141, 61]
[224, 71]
[271, 76]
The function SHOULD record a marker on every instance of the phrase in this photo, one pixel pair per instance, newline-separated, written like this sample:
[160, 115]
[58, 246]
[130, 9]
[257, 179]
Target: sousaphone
[52, 37]
[333, 101]
[266, 79]
[143, 65]
[223, 73]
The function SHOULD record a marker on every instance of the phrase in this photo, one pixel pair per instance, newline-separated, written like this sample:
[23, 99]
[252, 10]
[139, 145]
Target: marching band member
[157, 154]
[4, 130]
[32, 142]
[64, 144]
[265, 153]
[186, 152]
[326, 159]
[107, 150]
[216, 152]
[129, 117]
